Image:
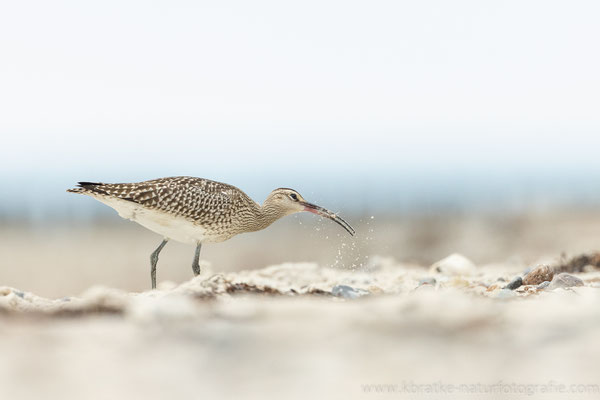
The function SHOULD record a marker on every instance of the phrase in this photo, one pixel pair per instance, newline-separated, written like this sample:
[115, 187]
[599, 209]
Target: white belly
[167, 225]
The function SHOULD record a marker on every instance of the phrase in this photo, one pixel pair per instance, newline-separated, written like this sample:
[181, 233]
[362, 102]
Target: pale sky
[139, 89]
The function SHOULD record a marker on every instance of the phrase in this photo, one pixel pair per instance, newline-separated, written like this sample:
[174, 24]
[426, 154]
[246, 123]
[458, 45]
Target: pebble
[564, 280]
[538, 275]
[348, 292]
[515, 283]
[543, 285]
[454, 264]
[427, 281]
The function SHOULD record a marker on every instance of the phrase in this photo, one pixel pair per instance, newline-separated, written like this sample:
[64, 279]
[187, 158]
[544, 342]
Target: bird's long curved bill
[328, 214]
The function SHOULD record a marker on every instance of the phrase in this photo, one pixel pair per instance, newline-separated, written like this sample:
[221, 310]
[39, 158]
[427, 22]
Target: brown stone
[538, 275]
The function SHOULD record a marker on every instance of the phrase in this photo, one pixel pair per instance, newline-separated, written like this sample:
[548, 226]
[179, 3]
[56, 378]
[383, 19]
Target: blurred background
[433, 127]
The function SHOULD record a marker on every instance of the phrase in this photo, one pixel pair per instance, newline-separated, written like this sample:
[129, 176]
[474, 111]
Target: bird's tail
[87, 187]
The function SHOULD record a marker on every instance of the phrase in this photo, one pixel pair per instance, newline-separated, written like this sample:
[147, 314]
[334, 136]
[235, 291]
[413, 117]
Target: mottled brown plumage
[218, 208]
[195, 210]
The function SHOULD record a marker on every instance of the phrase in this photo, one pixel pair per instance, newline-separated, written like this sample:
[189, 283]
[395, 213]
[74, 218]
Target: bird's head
[288, 201]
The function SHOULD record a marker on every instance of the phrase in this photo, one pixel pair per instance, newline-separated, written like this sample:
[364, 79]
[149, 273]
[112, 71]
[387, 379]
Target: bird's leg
[154, 260]
[196, 263]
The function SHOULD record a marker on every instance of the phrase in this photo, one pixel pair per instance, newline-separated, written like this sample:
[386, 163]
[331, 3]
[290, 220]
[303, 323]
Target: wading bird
[195, 210]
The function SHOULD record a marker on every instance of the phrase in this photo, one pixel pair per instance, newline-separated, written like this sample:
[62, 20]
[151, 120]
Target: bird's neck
[267, 214]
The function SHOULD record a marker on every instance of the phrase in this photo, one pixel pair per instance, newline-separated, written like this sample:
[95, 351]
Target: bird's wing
[194, 198]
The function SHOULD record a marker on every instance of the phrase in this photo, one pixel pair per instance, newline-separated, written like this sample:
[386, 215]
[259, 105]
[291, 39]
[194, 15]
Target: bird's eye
[293, 196]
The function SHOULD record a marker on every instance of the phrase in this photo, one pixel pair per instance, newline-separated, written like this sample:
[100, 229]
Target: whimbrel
[195, 210]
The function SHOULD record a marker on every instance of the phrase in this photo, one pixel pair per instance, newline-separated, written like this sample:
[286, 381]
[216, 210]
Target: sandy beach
[65, 258]
[296, 330]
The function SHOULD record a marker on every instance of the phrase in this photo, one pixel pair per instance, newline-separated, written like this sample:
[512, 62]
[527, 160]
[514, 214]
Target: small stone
[515, 283]
[454, 264]
[543, 285]
[564, 280]
[348, 292]
[538, 275]
[424, 288]
[427, 281]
